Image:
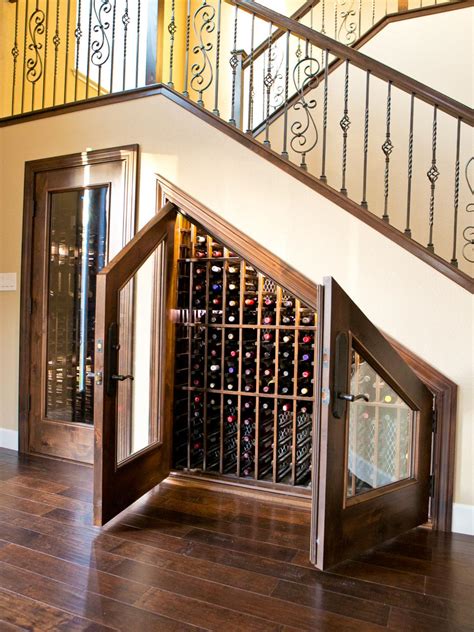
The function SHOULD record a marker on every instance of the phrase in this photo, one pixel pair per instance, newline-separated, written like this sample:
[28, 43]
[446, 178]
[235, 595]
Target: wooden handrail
[263, 47]
[366, 63]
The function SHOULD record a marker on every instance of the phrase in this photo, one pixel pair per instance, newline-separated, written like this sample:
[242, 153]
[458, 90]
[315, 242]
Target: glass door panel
[141, 343]
[380, 445]
[77, 252]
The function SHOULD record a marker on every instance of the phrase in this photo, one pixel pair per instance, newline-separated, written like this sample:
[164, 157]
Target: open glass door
[134, 359]
[374, 451]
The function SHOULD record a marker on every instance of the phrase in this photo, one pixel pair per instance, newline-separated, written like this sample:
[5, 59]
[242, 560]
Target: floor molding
[9, 439]
[463, 518]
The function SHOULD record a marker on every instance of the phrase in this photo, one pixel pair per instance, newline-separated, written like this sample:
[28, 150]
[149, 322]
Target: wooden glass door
[81, 219]
[374, 443]
[134, 349]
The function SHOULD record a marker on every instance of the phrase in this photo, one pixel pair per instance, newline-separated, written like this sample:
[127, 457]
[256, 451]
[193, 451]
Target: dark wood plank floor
[184, 558]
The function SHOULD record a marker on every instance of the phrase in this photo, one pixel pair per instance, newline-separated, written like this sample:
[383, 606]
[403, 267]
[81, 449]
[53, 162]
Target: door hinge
[434, 421]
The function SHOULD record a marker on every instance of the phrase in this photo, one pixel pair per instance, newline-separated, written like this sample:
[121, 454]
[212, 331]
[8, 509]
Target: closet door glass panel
[380, 445]
[77, 252]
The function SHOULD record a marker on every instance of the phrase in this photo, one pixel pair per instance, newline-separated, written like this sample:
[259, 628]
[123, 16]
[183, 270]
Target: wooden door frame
[444, 390]
[129, 154]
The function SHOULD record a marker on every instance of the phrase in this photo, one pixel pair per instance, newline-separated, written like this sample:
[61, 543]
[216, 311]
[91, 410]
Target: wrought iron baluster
[78, 36]
[410, 164]
[345, 123]
[366, 140]
[323, 176]
[268, 82]
[186, 55]
[373, 12]
[202, 73]
[137, 59]
[100, 48]
[89, 37]
[218, 55]
[25, 40]
[360, 18]
[433, 175]
[284, 153]
[56, 42]
[468, 232]
[457, 170]
[172, 31]
[45, 56]
[66, 52]
[234, 60]
[251, 86]
[387, 149]
[305, 134]
[347, 22]
[126, 22]
[112, 46]
[15, 53]
[35, 64]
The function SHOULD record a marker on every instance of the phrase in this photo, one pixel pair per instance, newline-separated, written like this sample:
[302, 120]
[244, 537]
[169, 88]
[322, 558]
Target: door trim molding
[443, 388]
[129, 154]
[444, 445]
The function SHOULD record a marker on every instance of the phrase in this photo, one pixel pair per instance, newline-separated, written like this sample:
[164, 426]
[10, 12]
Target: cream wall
[409, 300]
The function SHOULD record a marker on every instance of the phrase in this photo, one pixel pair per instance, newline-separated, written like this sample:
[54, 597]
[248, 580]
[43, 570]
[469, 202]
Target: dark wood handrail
[366, 63]
[263, 47]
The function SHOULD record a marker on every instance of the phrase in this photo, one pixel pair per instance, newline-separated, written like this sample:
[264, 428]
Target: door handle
[348, 397]
[121, 378]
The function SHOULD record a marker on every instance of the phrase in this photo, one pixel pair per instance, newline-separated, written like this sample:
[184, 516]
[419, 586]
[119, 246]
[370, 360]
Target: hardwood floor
[184, 558]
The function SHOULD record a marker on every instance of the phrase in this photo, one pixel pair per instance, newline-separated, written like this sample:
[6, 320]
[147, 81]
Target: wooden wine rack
[244, 371]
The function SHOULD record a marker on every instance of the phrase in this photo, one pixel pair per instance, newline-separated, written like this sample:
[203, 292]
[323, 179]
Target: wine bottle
[287, 338]
[232, 287]
[249, 301]
[267, 336]
[216, 268]
[233, 269]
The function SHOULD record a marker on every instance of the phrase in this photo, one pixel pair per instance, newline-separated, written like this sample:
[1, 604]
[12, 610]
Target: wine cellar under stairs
[244, 371]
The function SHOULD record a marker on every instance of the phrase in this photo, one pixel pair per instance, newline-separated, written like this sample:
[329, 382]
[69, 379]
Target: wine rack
[244, 370]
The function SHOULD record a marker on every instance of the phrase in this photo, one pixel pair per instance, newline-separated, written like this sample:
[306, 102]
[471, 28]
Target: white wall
[409, 300]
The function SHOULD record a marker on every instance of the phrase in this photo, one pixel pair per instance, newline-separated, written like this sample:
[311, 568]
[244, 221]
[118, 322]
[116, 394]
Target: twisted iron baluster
[45, 57]
[218, 56]
[268, 82]
[234, 60]
[468, 232]
[251, 91]
[125, 22]
[284, 153]
[387, 149]
[15, 53]
[78, 36]
[89, 49]
[366, 140]
[139, 19]
[24, 57]
[56, 42]
[66, 62]
[433, 175]
[373, 12]
[112, 44]
[172, 31]
[186, 55]
[345, 123]
[457, 170]
[205, 13]
[323, 177]
[410, 164]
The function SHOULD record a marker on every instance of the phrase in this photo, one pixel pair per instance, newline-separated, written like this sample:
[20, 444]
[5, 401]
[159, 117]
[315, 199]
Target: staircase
[390, 150]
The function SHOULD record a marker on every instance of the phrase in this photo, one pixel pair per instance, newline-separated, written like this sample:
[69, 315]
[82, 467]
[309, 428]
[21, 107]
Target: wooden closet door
[133, 441]
[372, 474]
